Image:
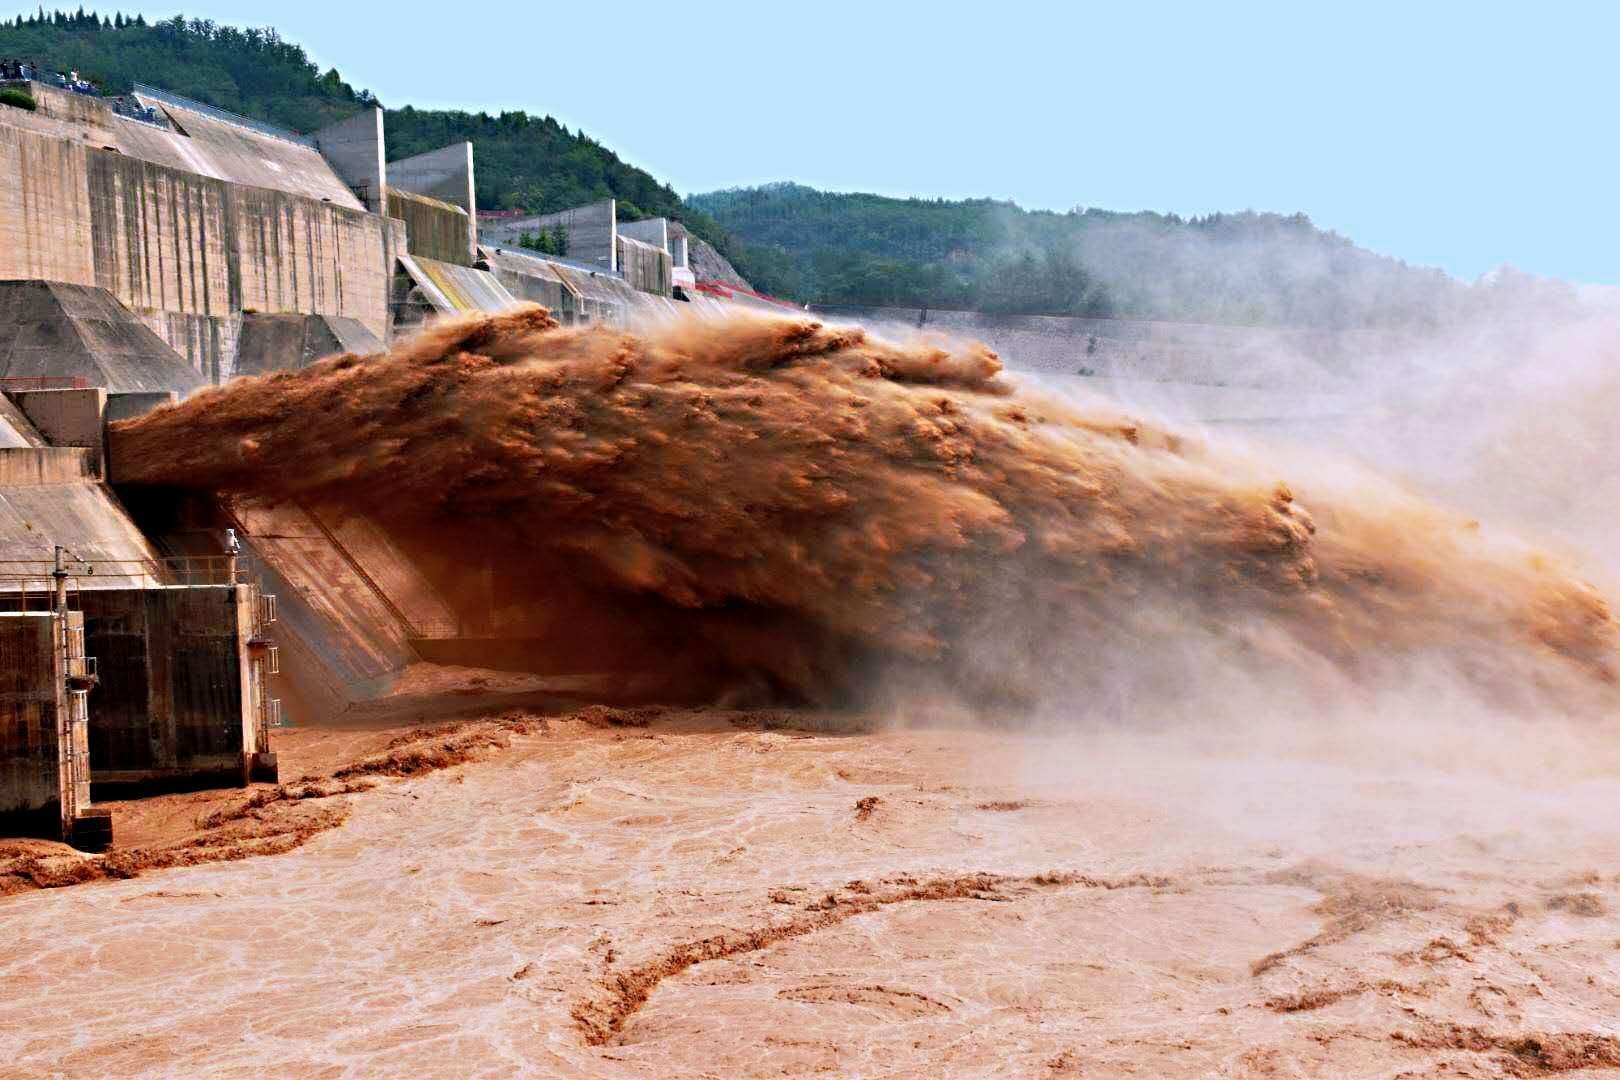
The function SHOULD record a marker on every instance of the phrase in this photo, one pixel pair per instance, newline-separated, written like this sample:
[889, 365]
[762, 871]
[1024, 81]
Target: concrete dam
[156, 639]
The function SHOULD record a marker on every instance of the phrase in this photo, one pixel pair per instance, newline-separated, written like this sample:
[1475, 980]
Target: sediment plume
[806, 511]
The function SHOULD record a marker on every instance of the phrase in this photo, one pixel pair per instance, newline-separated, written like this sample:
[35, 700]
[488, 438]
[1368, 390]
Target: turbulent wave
[809, 510]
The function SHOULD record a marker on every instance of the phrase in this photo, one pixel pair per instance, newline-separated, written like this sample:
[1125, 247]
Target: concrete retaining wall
[592, 232]
[445, 174]
[32, 700]
[186, 244]
[177, 702]
[47, 497]
[645, 267]
[434, 229]
[354, 149]
[35, 467]
[68, 418]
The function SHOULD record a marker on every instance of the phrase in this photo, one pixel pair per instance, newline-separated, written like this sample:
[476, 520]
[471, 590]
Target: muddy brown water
[707, 896]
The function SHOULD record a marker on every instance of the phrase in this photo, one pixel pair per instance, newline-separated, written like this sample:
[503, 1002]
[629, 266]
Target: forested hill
[524, 161]
[985, 255]
[788, 239]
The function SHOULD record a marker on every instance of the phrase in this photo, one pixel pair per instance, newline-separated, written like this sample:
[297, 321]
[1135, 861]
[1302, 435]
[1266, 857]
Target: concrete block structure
[51, 329]
[276, 342]
[187, 224]
[44, 742]
[446, 175]
[644, 267]
[654, 231]
[434, 229]
[591, 231]
[182, 700]
[354, 149]
[71, 418]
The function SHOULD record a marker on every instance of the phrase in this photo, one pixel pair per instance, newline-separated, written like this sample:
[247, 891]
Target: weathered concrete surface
[32, 702]
[179, 703]
[592, 232]
[68, 418]
[184, 249]
[46, 499]
[354, 149]
[434, 229]
[445, 174]
[33, 466]
[44, 736]
[279, 342]
[207, 343]
[341, 638]
[204, 144]
[654, 231]
[452, 289]
[51, 328]
[645, 267]
[188, 140]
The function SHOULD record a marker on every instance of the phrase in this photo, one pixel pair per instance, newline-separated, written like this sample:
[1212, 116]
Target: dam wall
[434, 229]
[181, 699]
[591, 231]
[354, 150]
[645, 267]
[44, 742]
[189, 226]
[445, 174]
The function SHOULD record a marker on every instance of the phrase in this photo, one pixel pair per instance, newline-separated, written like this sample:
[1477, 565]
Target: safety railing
[34, 592]
[34, 577]
[18, 383]
[205, 569]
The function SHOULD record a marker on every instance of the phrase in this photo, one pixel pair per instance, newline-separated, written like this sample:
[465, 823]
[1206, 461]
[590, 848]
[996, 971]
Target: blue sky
[1463, 136]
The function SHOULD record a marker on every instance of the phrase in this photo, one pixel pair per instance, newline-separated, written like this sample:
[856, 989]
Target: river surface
[719, 895]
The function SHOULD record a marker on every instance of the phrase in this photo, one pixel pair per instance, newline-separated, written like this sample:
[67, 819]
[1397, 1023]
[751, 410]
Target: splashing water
[808, 509]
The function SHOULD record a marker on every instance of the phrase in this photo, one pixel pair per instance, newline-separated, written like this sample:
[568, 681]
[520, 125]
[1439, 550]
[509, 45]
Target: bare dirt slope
[718, 893]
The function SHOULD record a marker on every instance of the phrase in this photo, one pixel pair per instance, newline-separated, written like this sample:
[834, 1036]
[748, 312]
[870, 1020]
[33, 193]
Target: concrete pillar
[446, 174]
[68, 418]
[354, 149]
